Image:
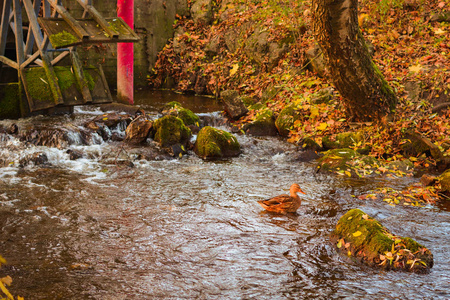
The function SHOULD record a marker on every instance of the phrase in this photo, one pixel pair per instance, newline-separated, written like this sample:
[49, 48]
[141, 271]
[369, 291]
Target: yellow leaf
[234, 69]
[357, 233]
[349, 218]
[348, 173]
[339, 244]
[314, 112]
[181, 155]
[104, 119]
[322, 126]
[6, 280]
[416, 68]
[439, 31]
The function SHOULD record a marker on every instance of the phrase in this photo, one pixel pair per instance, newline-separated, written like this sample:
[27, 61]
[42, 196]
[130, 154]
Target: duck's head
[296, 189]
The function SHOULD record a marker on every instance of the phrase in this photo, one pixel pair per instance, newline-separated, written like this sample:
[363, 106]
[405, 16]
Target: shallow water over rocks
[91, 228]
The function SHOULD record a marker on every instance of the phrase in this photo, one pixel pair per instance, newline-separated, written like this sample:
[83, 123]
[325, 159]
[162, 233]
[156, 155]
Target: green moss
[62, 39]
[337, 159]
[444, 180]
[171, 130]
[359, 235]
[10, 98]
[38, 83]
[188, 117]
[286, 120]
[216, 143]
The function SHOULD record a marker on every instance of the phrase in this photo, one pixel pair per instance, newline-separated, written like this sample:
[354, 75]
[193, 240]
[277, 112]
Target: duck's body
[284, 203]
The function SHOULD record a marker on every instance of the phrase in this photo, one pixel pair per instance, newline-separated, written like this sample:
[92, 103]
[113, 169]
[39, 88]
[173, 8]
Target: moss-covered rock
[444, 182]
[175, 108]
[10, 97]
[366, 240]
[286, 118]
[347, 162]
[263, 125]
[344, 140]
[214, 143]
[170, 130]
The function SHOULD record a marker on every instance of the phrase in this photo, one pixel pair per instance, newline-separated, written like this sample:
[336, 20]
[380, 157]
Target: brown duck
[284, 203]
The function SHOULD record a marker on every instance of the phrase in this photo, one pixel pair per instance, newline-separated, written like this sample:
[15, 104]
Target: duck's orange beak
[300, 191]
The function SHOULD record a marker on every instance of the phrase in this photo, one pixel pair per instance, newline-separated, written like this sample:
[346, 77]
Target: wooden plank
[99, 19]
[35, 28]
[97, 35]
[80, 77]
[60, 57]
[70, 20]
[4, 25]
[9, 62]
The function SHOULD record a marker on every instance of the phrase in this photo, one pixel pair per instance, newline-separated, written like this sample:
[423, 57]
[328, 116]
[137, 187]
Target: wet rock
[12, 129]
[286, 119]
[364, 239]
[310, 144]
[74, 154]
[234, 106]
[170, 130]
[110, 119]
[42, 136]
[213, 47]
[305, 155]
[131, 110]
[214, 143]
[428, 180]
[404, 165]
[138, 131]
[263, 125]
[35, 159]
[316, 62]
[175, 108]
[417, 145]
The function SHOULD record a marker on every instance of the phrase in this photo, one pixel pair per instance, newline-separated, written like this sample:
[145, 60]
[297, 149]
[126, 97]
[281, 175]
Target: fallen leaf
[357, 233]
[234, 69]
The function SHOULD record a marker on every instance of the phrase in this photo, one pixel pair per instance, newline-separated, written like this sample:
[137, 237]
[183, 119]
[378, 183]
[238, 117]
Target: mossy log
[214, 143]
[364, 239]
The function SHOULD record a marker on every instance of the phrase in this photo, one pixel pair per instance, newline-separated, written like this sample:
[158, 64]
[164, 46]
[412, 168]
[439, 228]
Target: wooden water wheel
[43, 37]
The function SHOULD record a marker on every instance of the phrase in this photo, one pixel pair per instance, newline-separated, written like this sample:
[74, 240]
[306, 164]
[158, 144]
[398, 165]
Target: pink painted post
[125, 55]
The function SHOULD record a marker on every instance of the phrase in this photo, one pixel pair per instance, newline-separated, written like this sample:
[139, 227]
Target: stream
[192, 229]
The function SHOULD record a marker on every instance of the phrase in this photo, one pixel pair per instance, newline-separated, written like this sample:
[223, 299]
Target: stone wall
[154, 21]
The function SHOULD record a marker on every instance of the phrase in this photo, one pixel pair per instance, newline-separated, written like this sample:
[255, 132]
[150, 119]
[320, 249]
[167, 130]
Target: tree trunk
[366, 94]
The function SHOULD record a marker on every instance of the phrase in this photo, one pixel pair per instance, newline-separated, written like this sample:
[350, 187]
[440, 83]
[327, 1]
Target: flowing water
[192, 229]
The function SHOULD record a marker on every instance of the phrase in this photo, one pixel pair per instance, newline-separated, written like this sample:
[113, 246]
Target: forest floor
[259, 48]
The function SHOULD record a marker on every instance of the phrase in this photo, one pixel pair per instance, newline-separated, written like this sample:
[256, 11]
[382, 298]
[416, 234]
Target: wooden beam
[30, 38]
[4, 25]
[60, 57]
[17, 11]
[9, 62]
[36, 29]
[30, 59]
[69, 19]
[99, 19]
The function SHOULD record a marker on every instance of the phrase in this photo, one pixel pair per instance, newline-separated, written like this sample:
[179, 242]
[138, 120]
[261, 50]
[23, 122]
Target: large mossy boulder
[286, 118]
[263, 125]
[363, 238]
[416, 145]
[170, 130]
[176, 109]
[214, 143]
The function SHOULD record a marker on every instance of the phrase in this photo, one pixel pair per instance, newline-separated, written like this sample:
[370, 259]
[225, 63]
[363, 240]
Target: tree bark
[366, 94]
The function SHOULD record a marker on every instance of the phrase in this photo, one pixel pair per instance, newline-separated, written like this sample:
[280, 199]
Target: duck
[284, 203]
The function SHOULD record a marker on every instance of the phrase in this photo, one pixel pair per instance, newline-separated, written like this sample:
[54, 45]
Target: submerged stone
[364, 239]
[214, 143]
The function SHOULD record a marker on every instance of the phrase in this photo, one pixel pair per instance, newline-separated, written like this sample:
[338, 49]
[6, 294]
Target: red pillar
[125, 55]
